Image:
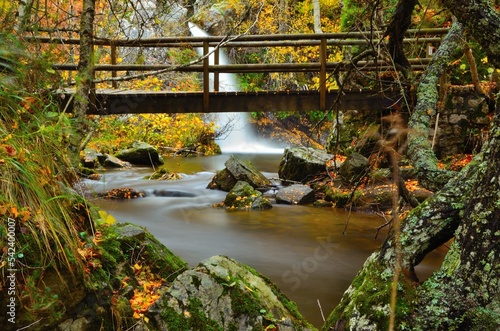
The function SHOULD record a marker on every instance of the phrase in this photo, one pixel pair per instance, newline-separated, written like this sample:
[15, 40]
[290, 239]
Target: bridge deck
[109, 102]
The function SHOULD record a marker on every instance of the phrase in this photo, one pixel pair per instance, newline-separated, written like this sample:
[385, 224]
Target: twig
[321, 310]
[387, 222]
[435, 131]
[30, 325]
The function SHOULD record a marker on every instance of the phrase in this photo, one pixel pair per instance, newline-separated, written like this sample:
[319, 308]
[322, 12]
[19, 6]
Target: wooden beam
[137, 102]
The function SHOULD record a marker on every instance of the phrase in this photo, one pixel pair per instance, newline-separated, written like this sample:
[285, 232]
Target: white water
[240, 138]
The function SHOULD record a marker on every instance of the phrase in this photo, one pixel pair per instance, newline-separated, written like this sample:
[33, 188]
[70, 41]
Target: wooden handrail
[241, 68]
[214, 40]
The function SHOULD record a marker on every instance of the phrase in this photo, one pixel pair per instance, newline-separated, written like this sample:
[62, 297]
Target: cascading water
[240, 137]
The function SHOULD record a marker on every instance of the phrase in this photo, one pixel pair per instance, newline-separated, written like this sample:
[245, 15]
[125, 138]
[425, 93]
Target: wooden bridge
[210, 99]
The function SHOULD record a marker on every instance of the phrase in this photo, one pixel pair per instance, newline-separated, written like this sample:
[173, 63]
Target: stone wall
[464, 120]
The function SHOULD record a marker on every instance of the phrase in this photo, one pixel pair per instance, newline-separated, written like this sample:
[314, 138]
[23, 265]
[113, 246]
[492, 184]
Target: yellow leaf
[107, 218]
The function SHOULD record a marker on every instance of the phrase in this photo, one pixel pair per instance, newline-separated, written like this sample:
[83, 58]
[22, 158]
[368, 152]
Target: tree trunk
[83, 93]
[400, 22]
[420, 151]
[317, 17]
[23, 14]
[283, 19]
[464, 294]
[483, 23]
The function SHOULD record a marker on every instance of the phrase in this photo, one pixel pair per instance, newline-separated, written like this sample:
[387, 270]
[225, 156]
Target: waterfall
[240, 138]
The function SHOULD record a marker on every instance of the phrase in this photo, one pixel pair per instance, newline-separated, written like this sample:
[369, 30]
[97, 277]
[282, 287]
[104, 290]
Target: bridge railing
[428, 37]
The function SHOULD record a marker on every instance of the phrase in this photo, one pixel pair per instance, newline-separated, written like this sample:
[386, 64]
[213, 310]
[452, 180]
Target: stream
[302, 249]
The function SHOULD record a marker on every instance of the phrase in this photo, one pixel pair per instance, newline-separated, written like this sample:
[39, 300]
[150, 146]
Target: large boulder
[223, 294]
[301, 163]
[140, 153]
[296, 194]
[236, 170]
[243, 197]
[355, 167]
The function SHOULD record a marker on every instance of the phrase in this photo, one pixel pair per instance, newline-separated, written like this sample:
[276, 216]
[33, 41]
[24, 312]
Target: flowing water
[300, 248]
[238, 133]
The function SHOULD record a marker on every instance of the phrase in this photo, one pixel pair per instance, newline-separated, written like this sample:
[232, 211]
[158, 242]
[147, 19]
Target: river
[300, 248]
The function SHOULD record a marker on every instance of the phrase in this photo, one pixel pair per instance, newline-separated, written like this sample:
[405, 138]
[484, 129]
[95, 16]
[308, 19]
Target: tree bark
[400, 22]
[420, 151]
[482, 22]
[469, 279]
[83, 93]
[23, 14]
[317, 17]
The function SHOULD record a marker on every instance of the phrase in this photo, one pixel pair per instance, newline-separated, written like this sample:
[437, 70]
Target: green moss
[193, 318]
[166, 264]
[369, 296]
[340, 198]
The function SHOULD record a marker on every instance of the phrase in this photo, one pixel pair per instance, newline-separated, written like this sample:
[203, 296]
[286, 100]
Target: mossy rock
[301, 164]
[238, 170]
[140, 153]
[134, 239]
[223, 294]
[243, 197]
[340, 197]
[354, 168]
[121, 251]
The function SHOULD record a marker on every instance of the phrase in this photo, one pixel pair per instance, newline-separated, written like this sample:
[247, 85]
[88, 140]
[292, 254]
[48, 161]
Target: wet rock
[90, 158]
[221, 293]
[109, 161]
[140, 154]
[173, 194]
[238, 170]
[164, 174]
[243, 197]
[131, 231]
[354, 168]
[79, 324]
[296, 194]
[301, 164]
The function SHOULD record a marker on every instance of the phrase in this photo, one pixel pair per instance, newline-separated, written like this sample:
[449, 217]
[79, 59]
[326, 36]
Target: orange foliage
[148, 293]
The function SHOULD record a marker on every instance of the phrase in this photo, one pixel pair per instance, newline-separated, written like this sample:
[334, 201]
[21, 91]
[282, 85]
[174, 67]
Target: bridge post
[216, 73]
[206, 78]
[322, 75]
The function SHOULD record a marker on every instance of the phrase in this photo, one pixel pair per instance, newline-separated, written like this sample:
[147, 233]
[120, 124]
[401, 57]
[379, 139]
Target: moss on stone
[192, 318]
[166, 264]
